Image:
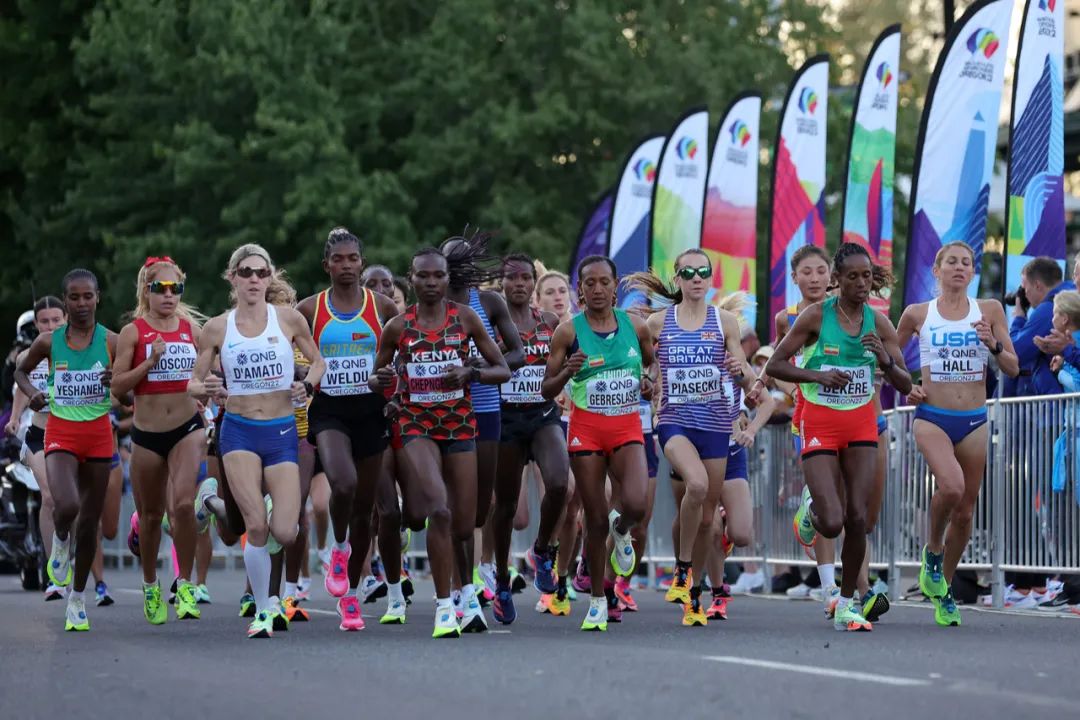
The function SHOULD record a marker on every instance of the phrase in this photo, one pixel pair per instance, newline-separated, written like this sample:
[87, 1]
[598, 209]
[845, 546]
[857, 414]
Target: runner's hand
[391, 409]
[575, 362]
[381, 379]
[1055, 364]
[873, 343]
[298, 392]
[157, 349]
[648, 387]
[985, 333]
[734, 366]
[917, 395]
[38, 401]
[12, 426]
[753, 398]
[744, 438]
[106, 377]
[457, 377]
[833, 379]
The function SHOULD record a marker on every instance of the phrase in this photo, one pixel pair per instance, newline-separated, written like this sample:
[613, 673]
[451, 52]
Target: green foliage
[187, 127]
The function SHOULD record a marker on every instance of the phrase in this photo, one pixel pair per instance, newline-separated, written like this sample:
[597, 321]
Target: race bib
[524, 385]
[695, 385]
[858, 391]
[175, 365]
[645, 415]
[347, 375]
[78, 388]
[260, 370]
[39, 377]
[613, 395]
[426, 383]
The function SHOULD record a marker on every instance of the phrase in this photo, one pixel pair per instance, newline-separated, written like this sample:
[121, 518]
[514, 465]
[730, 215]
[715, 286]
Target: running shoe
[484, 580]
[154, 610]
[543, 564]
[348, 609]
[133, 535]
[446, 625]
[293, 611]
[596, 619]
[799, 592]
[247, 605]
[694, 614]
[472, 619]
[543, 605]
[101, 590]
[847, 619]
[407, 588]
[503, 607]
[59, 567]
[337, 572]
[455, 600]
[750, 583]
[166, 528]
[560, 603]
[202, 595]
[946, 614]
[53, 592]
[622, 555]
[582, 581]
[622, 591]
[614, 612]
[874, 605]
[802, 525]
[571, 593]
[679, 592]
[395, 613]
[272, 546]
[277, 615]
[372, 589]
[931, 580]
[718, 608]
[303, 589]
[261, 627]
[1020, 599]
[1055, 604]
[76, 619]
[208, 488]
[324, 556]
[517, 581]
[186, 605]
[830, 598]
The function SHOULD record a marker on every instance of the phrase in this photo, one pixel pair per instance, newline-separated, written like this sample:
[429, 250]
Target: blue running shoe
[503, 606]
[545, 581]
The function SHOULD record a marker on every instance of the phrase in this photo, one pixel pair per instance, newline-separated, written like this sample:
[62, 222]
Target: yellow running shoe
[560, 604]
[261, 627]
[694, 613]
[186, 605]
[153, 608]
[679, 592]
[76, 619]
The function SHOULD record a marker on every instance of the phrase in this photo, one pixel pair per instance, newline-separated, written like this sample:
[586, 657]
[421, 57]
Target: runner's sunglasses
[158, 287]
[246, 271]
[687, 273]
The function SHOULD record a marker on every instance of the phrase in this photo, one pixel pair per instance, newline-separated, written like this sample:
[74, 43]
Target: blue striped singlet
[697, 387]
[485, 398]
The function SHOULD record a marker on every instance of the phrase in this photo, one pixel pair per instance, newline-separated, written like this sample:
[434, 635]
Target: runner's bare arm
[504, 325]
[202, 383]
[560, 368]
[384, 376]
[39, 350]
[895, 370]
[302, 339]
[126, 377]
[497, 370]
[307, 307]
[806, 326]
[385, 307]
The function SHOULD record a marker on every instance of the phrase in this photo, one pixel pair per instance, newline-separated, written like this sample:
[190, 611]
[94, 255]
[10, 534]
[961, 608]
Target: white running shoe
[208, 488]
[369, 589]
[1017, 600]
[830, 597]
[622, 555]
[487, 574]
[473, 620]
[395, 613]
[75, 617]
[324, 559]
[799, 592]
[59, 567]
[749, 583]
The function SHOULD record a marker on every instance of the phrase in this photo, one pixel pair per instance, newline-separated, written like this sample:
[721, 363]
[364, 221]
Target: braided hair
[882, 277]
[468, 260]
[338, 236]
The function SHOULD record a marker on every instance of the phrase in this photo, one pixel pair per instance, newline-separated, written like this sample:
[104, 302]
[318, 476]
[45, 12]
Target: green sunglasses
[687, 273]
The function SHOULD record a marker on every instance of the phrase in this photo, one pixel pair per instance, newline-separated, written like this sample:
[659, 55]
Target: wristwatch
[475, 375]
[996, 350]
[309, 388]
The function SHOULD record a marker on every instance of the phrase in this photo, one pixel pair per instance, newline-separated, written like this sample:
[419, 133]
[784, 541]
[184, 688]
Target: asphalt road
[771, 659]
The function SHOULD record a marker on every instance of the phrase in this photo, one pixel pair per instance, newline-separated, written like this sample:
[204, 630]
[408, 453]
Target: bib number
[78, 388]
[426, 383]
[347, 375]
[695, 385]
[524, 385]
[858, 391]
[613, 395]
[175, 365]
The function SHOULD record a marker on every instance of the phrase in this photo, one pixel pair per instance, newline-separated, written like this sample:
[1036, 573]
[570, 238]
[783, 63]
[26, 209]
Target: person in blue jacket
[1041, 281]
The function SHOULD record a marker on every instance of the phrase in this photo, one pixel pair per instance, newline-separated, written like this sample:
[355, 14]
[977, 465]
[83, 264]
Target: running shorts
[163, 442]
[360, 418]
[488, 426]
[88, 441]
[521, 422]
[34, 440]
[710, 445]
[446, 447]
[274, 441]
[882, 424]
[736, 463]
[827, 430]
[957, 424]
[595, 434]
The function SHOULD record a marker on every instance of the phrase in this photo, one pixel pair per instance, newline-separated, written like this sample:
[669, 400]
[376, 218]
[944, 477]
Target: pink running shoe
[348, 608]
[622, 592]
[133, 535]
[581, 582]
[337, 578]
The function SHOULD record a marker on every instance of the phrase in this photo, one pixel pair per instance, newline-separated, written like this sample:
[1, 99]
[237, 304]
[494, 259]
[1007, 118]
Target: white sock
[75, 595]
[304, 581]
[827, 573]
[290, 589]
[444, 604]
[147, 585]
[843, 602]
[342, 546]
[393, 591]
[257, 564]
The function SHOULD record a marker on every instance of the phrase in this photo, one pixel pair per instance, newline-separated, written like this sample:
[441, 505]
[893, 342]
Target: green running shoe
[946, 614]
[931, 580]
[803, 527]
[153, 608]
[571, 592]
[874, 605]
[261, 627]
[247, 605]
[59, 566]
[277, 615]
[847, 619]
[186, 605]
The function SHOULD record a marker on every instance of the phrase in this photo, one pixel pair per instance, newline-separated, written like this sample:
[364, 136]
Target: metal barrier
[1019, 524]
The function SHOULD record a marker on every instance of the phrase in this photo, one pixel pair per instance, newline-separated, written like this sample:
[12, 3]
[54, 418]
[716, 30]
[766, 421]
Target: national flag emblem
[60, 365]
[709, 335]
[185, 336]
[360, 336]
[272, 339]
[454, 339]
[596, 361]
[831, 349]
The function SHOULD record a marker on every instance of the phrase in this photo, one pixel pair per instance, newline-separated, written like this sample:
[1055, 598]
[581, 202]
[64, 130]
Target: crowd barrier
[1021, 522]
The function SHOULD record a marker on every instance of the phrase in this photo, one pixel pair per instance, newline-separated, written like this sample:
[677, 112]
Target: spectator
[749, 340]
[1040, 282]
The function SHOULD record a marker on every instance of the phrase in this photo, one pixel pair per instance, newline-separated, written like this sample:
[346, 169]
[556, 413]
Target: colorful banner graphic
[679, 195]
[1035, 214]
[631, 215]
[592, 240]
[868, 193]
[954, 158]
[729, 230]
[797, 194]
